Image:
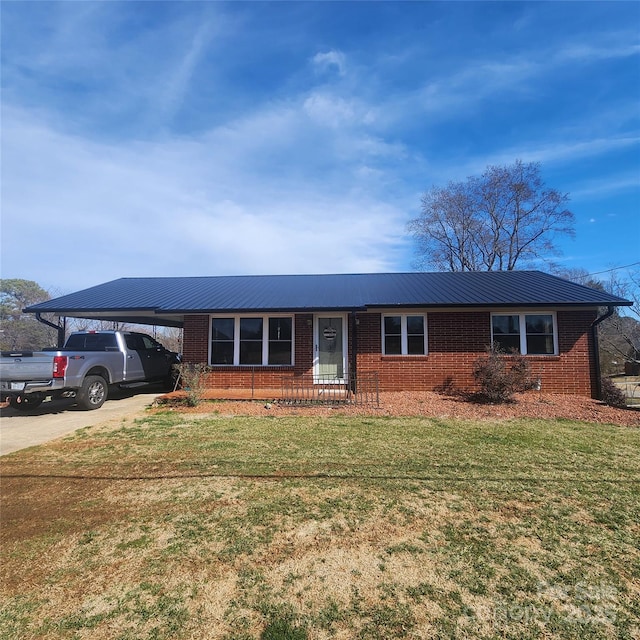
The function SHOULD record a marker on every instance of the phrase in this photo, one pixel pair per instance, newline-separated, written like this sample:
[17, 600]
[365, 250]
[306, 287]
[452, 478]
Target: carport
[68, 307]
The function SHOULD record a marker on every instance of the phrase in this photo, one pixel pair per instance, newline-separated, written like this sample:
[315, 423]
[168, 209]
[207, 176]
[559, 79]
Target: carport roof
[166, 300]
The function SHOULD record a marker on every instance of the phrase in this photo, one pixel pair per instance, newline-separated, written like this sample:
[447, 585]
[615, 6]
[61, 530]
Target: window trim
[522, 314]
[404, 335]
[265, 338]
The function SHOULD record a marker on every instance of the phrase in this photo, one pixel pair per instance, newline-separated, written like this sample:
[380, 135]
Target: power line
[596, 273]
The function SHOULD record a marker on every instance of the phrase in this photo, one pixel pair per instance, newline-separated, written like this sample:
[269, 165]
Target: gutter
[59, 328]
[596, 349]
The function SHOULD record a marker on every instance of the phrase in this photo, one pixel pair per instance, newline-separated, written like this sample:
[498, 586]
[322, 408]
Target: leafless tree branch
[495, 221]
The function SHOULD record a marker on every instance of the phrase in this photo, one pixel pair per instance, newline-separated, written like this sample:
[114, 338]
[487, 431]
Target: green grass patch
[247, 528]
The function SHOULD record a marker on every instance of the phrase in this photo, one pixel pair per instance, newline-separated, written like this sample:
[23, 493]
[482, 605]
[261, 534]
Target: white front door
[330, 345]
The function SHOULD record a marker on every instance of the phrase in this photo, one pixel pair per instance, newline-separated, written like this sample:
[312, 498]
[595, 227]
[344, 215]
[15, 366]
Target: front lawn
[228, 527]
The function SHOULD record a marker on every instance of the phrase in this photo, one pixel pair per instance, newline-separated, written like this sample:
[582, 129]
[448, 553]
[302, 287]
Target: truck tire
[92, 393]
[26, 403]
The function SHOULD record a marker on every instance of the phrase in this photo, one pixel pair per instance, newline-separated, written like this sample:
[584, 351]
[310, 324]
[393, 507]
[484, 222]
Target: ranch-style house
[411, 331]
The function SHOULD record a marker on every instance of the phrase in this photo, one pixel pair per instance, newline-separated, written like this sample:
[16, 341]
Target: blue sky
[212, 138]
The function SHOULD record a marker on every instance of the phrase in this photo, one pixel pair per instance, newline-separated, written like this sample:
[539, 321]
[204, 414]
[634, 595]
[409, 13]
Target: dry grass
[238, 528]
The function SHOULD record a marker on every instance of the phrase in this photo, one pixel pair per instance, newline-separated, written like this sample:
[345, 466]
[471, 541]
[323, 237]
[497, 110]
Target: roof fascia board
[261, 310]
[68, 311]
[512, 305]
[132, 318]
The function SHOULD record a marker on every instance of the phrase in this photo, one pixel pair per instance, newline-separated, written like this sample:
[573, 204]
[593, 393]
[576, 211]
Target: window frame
[404, 335]
[265, 338]
[522, 325]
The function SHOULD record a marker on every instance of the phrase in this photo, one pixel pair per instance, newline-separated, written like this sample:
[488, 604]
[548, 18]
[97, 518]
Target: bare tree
[170, 337]
[619, 334]
[492, 222]
[632, 292]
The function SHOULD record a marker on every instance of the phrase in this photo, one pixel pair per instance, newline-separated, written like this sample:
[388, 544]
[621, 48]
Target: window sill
[422, 356]
[249, 367]
[529, 356]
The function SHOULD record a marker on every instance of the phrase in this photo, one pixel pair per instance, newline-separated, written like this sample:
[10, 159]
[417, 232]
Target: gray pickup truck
[84, 368]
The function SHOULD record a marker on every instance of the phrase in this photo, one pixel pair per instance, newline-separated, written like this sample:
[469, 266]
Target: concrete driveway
[56, 418]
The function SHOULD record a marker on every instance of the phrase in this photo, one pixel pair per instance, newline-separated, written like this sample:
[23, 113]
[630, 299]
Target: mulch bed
[531, 404]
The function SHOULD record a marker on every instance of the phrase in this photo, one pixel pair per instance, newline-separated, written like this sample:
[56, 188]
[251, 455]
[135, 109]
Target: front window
[540, 334]
[222, 340]
[280, 340]
[525, 333]
[252, 340]
[506, 332]
[393, 335]
[404, 335]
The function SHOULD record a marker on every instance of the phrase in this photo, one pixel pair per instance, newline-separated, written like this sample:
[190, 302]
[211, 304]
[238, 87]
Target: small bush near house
[500, 376]
[193, 382]
[612, 394]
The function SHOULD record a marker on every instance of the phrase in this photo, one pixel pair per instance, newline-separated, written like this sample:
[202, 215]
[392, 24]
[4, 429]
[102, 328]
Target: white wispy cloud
[619, 45]
[562, 150]
[328, 110]
[472, 83]
[152, 209]
[177, 82]
[198, 142]
[604, 187]
[329, 61]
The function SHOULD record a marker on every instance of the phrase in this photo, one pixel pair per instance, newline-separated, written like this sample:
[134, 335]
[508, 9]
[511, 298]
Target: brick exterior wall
[196, 350]
[195, 339]
[455, 340]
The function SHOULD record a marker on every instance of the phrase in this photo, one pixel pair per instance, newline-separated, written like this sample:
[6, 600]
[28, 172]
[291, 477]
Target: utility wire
[596, 273]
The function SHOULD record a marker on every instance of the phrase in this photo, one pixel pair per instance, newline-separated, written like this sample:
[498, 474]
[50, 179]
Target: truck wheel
[26, 403]
[92, 393]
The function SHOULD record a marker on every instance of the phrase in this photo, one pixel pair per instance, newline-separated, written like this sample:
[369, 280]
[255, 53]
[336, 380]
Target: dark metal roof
[166, 297]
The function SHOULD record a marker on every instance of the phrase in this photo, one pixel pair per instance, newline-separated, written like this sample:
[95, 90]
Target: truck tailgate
[25, 365]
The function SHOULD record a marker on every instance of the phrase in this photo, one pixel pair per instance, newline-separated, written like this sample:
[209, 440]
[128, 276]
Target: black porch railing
[352, 389]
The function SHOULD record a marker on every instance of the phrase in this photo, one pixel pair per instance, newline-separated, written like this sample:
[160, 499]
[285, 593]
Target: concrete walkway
[56, 418]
